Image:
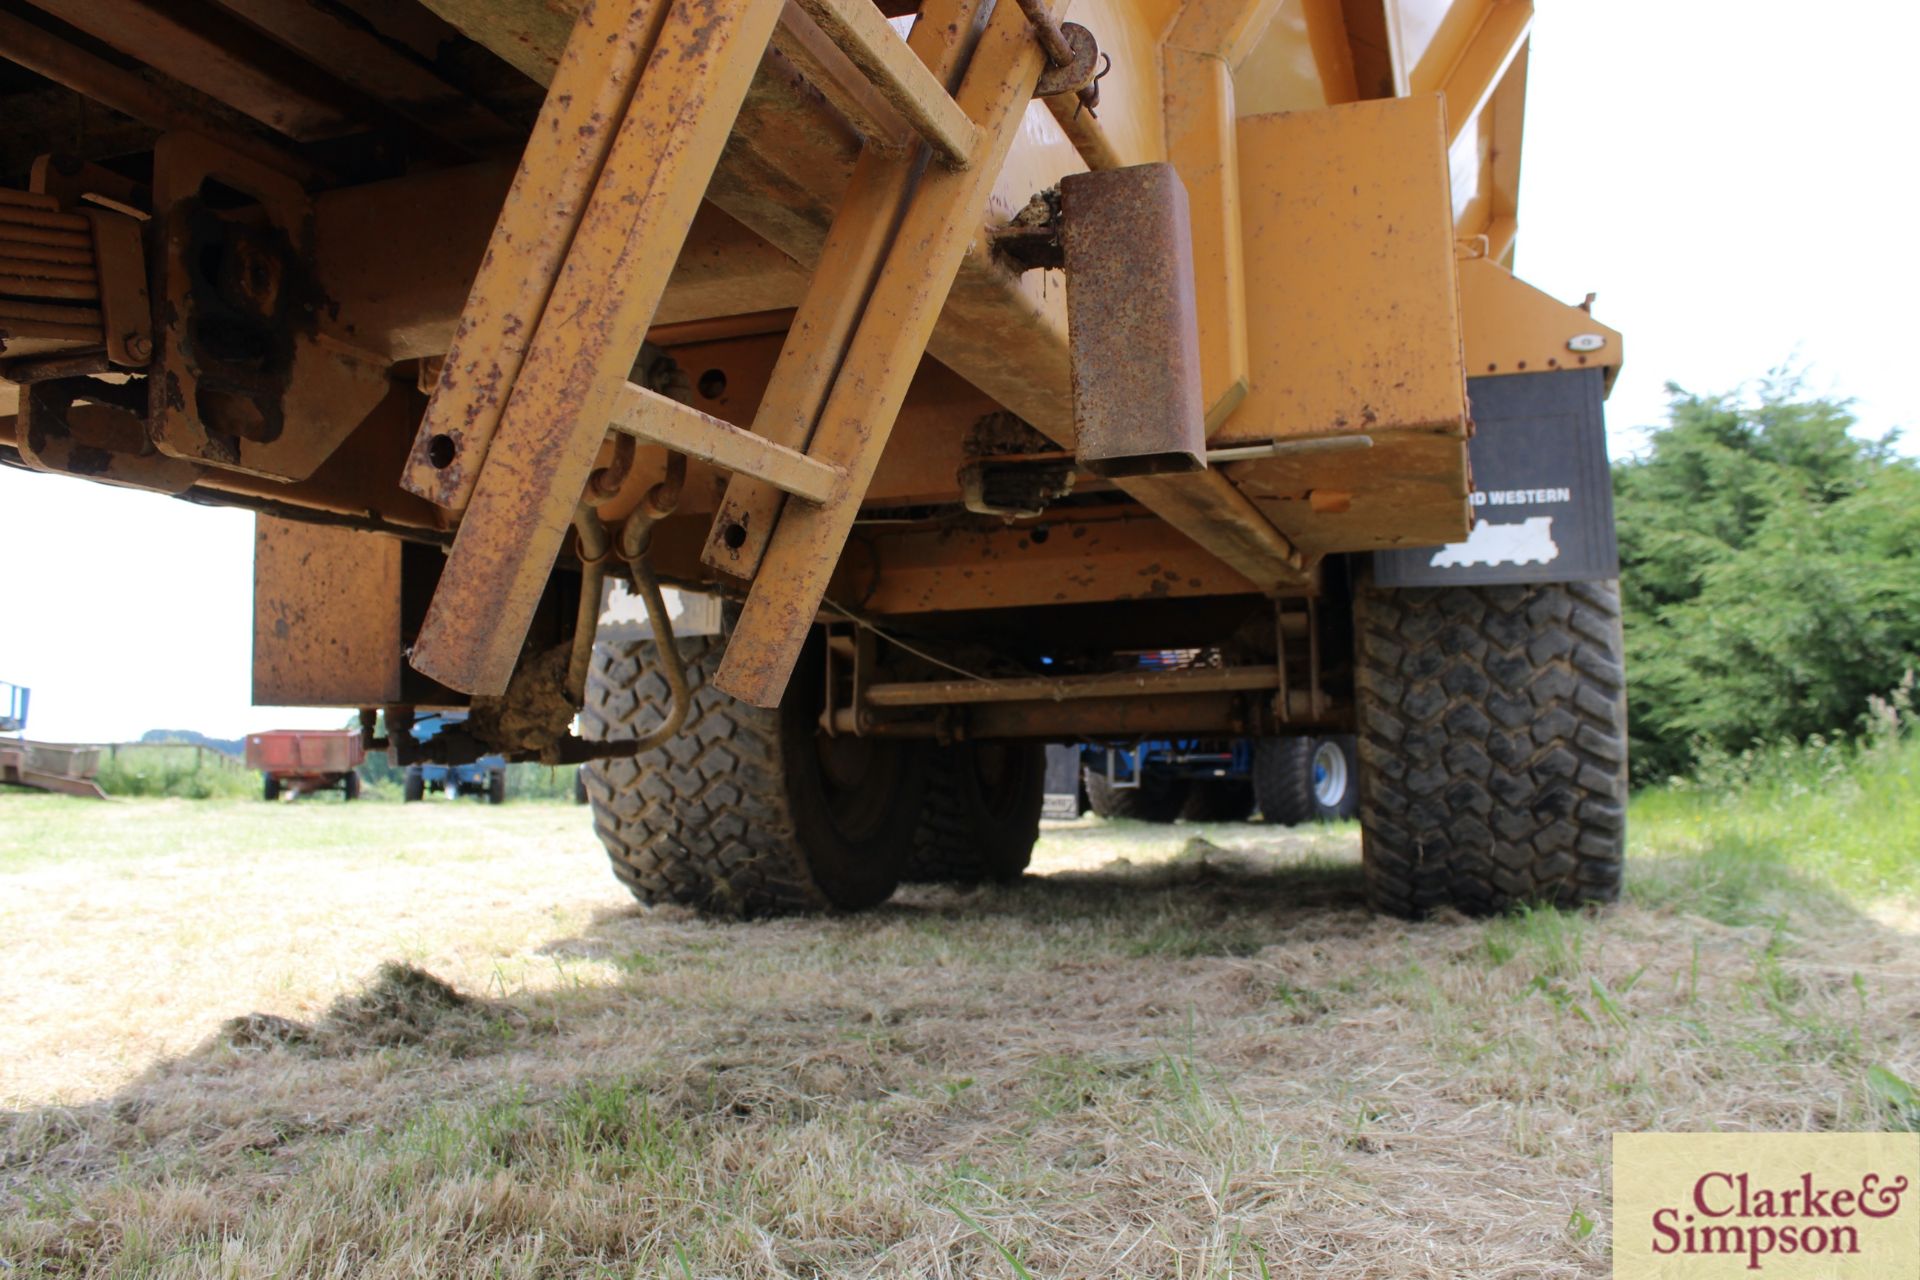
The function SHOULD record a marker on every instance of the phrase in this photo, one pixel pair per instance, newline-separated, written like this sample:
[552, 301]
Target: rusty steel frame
[823, 326]
[898, 319]
[537, 223]
[615, 272]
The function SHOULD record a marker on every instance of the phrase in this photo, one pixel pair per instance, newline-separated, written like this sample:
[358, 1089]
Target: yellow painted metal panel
[326, 615]
[1283, 73]
[1512, 327]
[1200, 138]
[1353, 313]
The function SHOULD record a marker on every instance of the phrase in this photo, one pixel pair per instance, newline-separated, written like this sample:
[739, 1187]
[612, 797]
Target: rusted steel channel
[1230, 700]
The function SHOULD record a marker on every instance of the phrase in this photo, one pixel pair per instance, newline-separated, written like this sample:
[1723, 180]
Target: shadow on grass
[1206, 900]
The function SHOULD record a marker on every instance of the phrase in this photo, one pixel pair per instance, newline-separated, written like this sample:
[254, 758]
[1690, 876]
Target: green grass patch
[1814, 824]
[178, 770]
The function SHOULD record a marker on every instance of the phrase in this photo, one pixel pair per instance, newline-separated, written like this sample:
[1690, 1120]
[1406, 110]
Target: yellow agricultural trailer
[994, 371]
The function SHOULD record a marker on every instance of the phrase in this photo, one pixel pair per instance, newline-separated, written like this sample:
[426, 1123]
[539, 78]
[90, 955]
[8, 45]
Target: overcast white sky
[1734, 178]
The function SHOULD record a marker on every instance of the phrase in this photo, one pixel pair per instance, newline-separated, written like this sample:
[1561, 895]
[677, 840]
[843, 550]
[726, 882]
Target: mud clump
[403, 1006]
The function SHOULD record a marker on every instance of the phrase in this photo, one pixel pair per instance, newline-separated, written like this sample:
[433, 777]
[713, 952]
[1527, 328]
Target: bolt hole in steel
[441, 451]
[713, 384]
[735, 536]
[1329, 774]
[1039, 533]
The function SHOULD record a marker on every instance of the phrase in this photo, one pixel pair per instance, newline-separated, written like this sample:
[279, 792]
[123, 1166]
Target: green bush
[1770, 574]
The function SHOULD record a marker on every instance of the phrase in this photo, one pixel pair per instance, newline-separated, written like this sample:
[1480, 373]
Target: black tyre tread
[1283, 780]
[959, 838]
[1218, 800]
[705, 820]
[413, 786]
[1492, 745]
[1157, 799]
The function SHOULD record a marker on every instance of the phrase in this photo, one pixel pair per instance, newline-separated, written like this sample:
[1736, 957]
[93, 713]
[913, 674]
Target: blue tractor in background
[486, 776]
[1288, 781]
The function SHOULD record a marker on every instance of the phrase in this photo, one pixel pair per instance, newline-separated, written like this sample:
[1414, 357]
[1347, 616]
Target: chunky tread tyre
[1157, 799]
[413, 786]
[1283, 780]
[1492, 746]
[729, 816]
[981, 816]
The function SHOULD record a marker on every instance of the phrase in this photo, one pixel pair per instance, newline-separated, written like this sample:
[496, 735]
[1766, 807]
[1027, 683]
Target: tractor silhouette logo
[1528, 542]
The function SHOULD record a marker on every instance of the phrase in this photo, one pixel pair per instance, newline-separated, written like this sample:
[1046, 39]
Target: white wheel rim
[1329, 775]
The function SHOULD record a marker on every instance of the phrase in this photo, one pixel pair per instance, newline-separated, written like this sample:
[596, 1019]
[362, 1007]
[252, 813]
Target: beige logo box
[1783, 1206]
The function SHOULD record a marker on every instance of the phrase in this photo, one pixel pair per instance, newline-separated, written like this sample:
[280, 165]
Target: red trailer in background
[301, 760]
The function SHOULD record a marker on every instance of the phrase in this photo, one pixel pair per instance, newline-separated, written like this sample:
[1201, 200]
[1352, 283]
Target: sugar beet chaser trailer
[963, 351]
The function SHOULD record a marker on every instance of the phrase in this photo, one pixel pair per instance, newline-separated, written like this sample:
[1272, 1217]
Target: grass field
[1179, 1051]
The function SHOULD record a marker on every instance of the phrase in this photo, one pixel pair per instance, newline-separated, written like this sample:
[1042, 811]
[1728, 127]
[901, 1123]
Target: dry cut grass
[1175, 1052]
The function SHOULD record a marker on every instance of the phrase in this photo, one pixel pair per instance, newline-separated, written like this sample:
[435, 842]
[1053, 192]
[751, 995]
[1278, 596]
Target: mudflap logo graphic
[1781, 1205]
[1528, 542]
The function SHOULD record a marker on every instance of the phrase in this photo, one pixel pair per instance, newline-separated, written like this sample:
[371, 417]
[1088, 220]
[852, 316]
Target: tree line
[1770, 573]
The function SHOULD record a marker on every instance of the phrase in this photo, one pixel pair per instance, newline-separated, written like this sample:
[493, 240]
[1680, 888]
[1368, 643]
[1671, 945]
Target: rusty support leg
[616, 270]
[887, 347]
[543, 208]
[863, 230]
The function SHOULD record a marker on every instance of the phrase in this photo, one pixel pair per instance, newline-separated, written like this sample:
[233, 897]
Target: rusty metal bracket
[1131, 322]
[1071, 50]
[822, 329]
[97, 430]
[1079, 73]
[126, 314]
[251, 373]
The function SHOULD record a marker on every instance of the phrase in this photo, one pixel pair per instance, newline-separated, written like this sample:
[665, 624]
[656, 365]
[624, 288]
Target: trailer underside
[355, 267]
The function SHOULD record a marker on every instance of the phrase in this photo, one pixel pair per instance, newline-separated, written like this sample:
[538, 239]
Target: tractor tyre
[1158, 798]
[350, 786]
[1218, 800]
[1492, 746]
[270, 788]
[580, 785]
[1335, 775]
[982, 812]
[497, 787]
[1283, 780]
[413, 786]
[746, 812]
